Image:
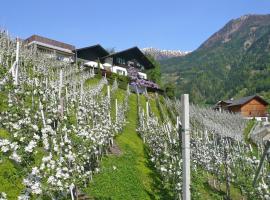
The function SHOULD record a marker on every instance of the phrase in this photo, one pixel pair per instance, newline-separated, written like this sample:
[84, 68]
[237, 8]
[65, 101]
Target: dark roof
[222, 101]
[229, 101]
[133, 53]
[92, 52]
[38, 38]
[245, 100]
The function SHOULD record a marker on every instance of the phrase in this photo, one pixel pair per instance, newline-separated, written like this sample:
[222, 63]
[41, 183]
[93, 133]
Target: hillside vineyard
[58, 121]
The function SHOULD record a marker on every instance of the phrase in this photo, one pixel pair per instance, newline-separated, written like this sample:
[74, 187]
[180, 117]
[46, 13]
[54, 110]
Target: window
[118, 71]
[120, 61]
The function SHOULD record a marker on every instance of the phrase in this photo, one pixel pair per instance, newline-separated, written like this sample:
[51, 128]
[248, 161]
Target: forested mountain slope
[232, 62]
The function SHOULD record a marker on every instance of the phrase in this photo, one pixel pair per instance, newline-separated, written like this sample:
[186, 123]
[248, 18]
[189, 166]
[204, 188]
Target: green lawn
[130, 175]
[10, 178]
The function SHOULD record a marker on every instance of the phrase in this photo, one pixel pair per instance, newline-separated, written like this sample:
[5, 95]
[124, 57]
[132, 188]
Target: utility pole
[185, 147]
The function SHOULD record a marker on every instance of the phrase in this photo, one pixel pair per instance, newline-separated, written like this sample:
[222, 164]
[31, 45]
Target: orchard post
[60, 82]
[116, 110]
[185, 146]
[17, 62]
[108, 91]
[147, 110]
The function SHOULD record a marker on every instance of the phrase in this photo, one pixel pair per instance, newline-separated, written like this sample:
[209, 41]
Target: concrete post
[177, 122]
[108, 91]
[116, 110]
[60, 82]
[81, 91]
[17, 62]
[185, 147]
[147, 110]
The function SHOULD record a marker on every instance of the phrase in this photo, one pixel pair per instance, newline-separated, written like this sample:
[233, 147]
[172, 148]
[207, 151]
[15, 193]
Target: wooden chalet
[250, 107]
[132, 57]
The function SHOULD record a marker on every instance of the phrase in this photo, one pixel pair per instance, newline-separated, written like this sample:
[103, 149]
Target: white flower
[14, 156]
[16, 126]
[3, 196]
[47, 158]
[36, 137]
[35, 127]
[51, 180]
[29, 148]
[163, 169]
[4, 149]
[35, 170]
[36, 188]
[26, 181]
[59, 183]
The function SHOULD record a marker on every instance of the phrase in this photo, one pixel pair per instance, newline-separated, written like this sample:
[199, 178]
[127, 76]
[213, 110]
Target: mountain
[233, 62]
[159, 54]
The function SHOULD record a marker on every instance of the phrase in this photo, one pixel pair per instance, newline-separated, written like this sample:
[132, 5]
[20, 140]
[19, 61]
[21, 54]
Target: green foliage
[4, 134]
[169, 89]
[123, 81]
[155, 73]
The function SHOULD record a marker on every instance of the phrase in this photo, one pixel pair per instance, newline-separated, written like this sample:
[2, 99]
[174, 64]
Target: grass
[163, 107]
[11, 181]
[130, 175]
[247, 130]
[120, 96]
[203, 187]
[91, 81]
[154, 108]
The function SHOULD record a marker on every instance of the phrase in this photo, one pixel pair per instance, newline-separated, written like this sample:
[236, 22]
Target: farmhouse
[133, 63]
[52, 48]
[250, 107]
[130, 62]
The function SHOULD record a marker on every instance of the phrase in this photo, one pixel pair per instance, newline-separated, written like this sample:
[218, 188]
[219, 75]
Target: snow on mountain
[160, 54]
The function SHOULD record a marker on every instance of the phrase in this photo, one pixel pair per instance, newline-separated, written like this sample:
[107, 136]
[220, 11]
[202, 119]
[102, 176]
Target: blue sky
[165, 24]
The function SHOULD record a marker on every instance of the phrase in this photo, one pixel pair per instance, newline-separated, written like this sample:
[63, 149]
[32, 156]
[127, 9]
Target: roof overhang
[133, 53]
[94, 52]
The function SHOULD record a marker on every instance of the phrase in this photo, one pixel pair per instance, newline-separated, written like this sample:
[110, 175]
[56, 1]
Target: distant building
[249, 107]
[52, 48]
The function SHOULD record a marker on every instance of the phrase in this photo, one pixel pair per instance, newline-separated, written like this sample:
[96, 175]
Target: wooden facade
[251, 106]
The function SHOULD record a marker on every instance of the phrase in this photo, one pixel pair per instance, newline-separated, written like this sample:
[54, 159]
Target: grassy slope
[133, 178]
[10, 177]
